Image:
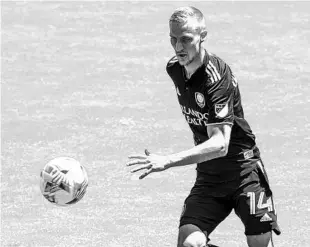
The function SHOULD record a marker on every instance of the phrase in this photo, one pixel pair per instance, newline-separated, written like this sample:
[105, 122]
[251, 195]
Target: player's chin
[183, 61]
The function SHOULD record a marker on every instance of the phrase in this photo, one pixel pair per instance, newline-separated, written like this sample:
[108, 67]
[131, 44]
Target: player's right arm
[220, 96]
[215, 147]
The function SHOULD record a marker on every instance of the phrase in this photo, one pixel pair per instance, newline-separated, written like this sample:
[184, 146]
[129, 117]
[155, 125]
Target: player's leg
[195, 237]
[201, 214]
[191, 236]
[255, 207]
[261, 240]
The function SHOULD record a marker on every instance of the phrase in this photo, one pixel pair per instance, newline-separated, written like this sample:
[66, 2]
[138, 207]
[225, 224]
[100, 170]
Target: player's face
[185, 41]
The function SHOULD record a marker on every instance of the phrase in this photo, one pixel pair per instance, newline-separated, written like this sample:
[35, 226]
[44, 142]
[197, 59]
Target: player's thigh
[203, 213]
[261, 240]
[254, 204]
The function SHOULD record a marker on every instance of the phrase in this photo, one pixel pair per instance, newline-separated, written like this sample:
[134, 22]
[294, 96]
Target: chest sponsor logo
[194, 117]
[221, 110]
[200, 99]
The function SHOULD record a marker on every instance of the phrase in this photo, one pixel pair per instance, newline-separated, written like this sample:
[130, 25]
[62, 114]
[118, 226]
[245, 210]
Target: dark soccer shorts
[250, 196]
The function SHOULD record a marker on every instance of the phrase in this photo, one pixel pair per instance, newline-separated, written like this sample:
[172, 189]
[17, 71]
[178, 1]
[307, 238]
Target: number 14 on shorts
[260, 204]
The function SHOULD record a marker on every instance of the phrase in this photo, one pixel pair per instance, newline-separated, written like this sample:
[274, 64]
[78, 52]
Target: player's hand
[149, 162]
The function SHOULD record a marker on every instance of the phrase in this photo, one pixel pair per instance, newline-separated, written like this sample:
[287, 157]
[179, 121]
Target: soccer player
[230, 172]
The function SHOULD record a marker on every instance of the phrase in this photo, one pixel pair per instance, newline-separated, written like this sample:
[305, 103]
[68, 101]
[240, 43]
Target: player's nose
[178, 46]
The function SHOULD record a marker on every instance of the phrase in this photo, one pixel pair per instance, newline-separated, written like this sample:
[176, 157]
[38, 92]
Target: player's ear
[203, 36]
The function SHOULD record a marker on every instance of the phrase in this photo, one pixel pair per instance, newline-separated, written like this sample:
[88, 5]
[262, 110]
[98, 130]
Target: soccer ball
[63, 181]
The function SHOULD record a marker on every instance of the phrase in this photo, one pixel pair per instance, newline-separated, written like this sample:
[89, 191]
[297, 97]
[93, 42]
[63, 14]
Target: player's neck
[196, 64]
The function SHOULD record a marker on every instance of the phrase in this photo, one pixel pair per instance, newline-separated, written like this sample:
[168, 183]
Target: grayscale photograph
[155, 124]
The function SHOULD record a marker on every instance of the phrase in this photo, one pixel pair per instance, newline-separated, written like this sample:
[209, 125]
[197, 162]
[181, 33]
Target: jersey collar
[198, 72]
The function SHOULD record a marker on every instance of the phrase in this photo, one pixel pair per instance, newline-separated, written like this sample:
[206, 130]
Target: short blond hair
[183, 14]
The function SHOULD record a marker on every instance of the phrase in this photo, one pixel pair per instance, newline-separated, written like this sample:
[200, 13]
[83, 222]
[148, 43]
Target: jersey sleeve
[170, 65]
[220, 99]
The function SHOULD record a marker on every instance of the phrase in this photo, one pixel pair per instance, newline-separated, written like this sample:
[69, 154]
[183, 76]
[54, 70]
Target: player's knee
[261, 240]
[195, 239]
[191, 235]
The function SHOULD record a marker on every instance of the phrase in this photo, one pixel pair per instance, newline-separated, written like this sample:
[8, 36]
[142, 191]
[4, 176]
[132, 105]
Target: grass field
[88, 80]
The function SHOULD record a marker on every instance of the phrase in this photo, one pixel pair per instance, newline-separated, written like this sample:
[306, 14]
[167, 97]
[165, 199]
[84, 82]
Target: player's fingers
[137, 162]
[141, 168]
[137, 156]
[146, 173]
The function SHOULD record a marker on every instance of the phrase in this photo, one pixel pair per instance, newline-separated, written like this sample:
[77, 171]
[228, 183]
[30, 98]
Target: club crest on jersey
[221, 110]
[200, 99]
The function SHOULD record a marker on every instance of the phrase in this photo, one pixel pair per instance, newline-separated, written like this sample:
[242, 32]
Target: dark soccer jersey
[211, 96]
